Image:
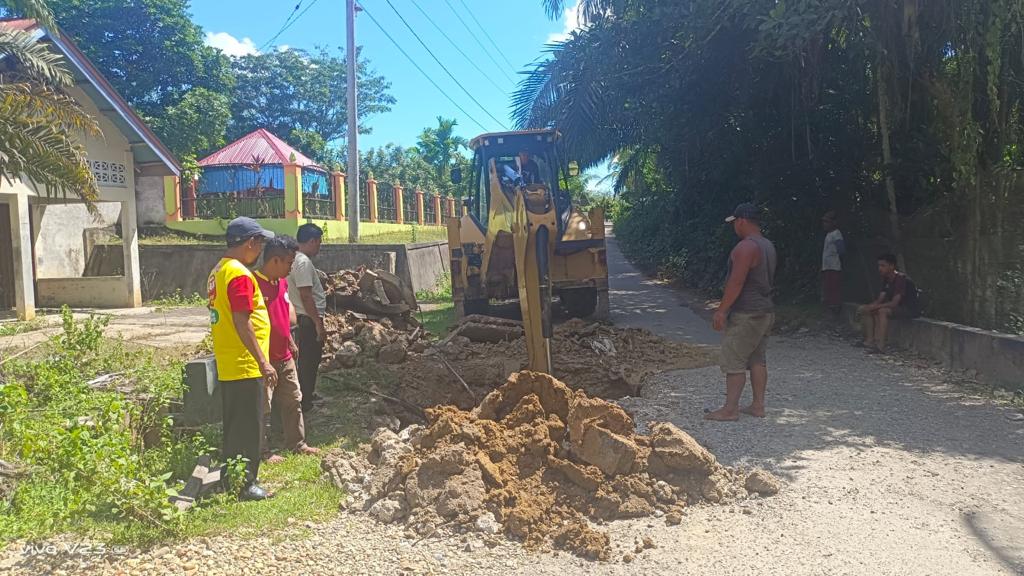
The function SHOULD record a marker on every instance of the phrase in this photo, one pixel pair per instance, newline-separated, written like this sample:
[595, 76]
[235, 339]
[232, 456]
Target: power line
[281, 30]
[478, 42]
[417, 66]
[443, 67]
[459, 49]
[288, 23]
[488, 35]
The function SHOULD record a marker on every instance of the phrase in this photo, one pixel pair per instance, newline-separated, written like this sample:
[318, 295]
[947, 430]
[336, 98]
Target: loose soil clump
[535, 461]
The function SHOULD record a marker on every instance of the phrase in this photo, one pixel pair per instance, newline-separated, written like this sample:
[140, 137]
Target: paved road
[642, 302]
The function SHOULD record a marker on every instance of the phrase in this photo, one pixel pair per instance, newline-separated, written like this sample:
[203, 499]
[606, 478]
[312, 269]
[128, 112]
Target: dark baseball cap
[747, 211]
[243, 228]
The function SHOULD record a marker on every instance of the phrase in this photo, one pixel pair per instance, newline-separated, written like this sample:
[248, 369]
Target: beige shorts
[745, 343]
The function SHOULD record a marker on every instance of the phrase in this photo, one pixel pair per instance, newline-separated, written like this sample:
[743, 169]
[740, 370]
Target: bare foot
[753, 411]
[307, 450]
[723, 415]
[274, 459]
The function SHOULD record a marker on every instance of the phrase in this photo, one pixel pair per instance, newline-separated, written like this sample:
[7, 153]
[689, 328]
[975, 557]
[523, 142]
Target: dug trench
[468, 442]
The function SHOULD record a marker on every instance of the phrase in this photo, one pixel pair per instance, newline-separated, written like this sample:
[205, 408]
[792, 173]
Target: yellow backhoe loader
[519, 237]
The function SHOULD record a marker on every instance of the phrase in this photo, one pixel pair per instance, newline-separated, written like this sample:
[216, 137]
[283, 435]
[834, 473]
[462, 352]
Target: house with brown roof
[45, 242]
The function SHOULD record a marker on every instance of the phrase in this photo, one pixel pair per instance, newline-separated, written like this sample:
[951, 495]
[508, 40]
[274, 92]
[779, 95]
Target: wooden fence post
[437, 210]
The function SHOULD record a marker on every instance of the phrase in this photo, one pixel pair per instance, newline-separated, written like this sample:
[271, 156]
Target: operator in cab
[528, 169]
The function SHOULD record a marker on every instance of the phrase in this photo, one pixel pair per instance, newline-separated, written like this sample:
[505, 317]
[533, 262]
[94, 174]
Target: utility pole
[353, 127]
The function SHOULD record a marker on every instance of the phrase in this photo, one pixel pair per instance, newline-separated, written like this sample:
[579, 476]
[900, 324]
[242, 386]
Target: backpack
[911, 297]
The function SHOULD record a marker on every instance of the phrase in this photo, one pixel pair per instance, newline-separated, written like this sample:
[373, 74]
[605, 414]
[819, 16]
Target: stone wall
[184, 267]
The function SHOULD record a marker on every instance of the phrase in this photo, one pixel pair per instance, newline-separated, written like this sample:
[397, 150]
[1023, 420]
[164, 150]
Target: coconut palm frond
[36, 60]
[35, 9]
[39, 130]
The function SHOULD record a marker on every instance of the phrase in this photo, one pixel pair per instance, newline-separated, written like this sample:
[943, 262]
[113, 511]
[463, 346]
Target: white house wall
[149, 200]
[60, 226]
[60, 236]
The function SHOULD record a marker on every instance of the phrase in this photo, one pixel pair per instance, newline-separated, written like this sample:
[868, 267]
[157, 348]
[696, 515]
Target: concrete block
[201, 402]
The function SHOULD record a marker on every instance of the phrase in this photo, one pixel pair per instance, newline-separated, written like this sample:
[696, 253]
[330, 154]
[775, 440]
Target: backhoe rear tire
[578, 302]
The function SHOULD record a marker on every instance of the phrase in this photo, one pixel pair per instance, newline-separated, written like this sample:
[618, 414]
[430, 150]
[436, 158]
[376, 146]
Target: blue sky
[520, 28]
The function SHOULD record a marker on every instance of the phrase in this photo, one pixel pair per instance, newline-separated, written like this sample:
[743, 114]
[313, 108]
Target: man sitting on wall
[898, 299]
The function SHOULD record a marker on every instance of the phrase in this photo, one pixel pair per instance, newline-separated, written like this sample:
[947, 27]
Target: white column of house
[21, 232]
[130, 239]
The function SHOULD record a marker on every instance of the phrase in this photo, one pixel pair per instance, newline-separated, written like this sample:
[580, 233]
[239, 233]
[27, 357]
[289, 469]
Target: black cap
[747, 211]
[243, 228]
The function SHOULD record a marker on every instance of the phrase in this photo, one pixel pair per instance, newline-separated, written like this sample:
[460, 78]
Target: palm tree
[440, 146]
[41, 126]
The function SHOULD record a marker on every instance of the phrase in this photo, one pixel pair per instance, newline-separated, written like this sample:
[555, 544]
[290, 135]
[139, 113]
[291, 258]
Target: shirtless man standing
[746, 314]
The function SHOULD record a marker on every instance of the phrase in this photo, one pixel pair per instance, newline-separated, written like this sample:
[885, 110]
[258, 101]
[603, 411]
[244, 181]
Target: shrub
[85, 445]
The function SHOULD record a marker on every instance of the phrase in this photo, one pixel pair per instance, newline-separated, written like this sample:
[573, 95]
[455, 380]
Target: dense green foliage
[154, 55]
[84, 448]
[426, 166]
[300, 97]
[195, 97]
[903, 116]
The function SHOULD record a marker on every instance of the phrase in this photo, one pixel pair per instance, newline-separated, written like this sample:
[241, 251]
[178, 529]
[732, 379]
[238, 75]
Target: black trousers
[243, 422]
[308, 364]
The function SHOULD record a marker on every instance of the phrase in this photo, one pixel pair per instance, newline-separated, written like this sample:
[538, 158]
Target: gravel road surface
[890, 467]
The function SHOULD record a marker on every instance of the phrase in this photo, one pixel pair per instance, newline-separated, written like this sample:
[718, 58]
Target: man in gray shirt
[746, 314]
[307, 295]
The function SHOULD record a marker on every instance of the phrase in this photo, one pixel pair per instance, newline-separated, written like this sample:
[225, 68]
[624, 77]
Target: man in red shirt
[286, 396]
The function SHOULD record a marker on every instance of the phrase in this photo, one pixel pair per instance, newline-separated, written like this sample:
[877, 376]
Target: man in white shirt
[307, 295]
[832, 264]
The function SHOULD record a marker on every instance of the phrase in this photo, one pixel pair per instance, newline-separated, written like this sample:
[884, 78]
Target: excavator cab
[520, 237]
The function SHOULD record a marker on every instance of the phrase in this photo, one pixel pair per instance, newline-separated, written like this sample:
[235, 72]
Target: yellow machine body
[525, 241]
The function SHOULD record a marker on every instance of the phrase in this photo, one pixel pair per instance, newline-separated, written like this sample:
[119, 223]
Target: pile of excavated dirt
[603, 360]
[369, 316]
[537, 462]
[353, 337]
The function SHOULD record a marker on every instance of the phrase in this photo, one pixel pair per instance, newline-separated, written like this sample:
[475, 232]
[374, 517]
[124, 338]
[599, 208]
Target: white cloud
[570, 20]
[284, 48]
[230, 45]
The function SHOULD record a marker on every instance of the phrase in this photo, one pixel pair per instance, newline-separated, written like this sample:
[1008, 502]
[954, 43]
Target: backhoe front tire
[578, 302]
[479, 306]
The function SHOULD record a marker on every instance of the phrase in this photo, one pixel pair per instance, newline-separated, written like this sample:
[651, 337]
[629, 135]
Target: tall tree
[442, 149]
[294, 90]
[41, 127]
[153, 54]
[903, 115]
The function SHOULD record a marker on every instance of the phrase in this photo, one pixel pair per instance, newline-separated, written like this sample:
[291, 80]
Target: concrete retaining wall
[170, 268]
[996, 356]
[95, 292]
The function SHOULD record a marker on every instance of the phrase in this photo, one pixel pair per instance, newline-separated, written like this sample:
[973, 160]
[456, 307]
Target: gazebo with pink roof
[253, 176]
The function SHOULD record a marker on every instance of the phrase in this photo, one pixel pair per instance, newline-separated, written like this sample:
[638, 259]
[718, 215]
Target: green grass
[22, 326]
[178, 300]
[439, 319]
[411, 235]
